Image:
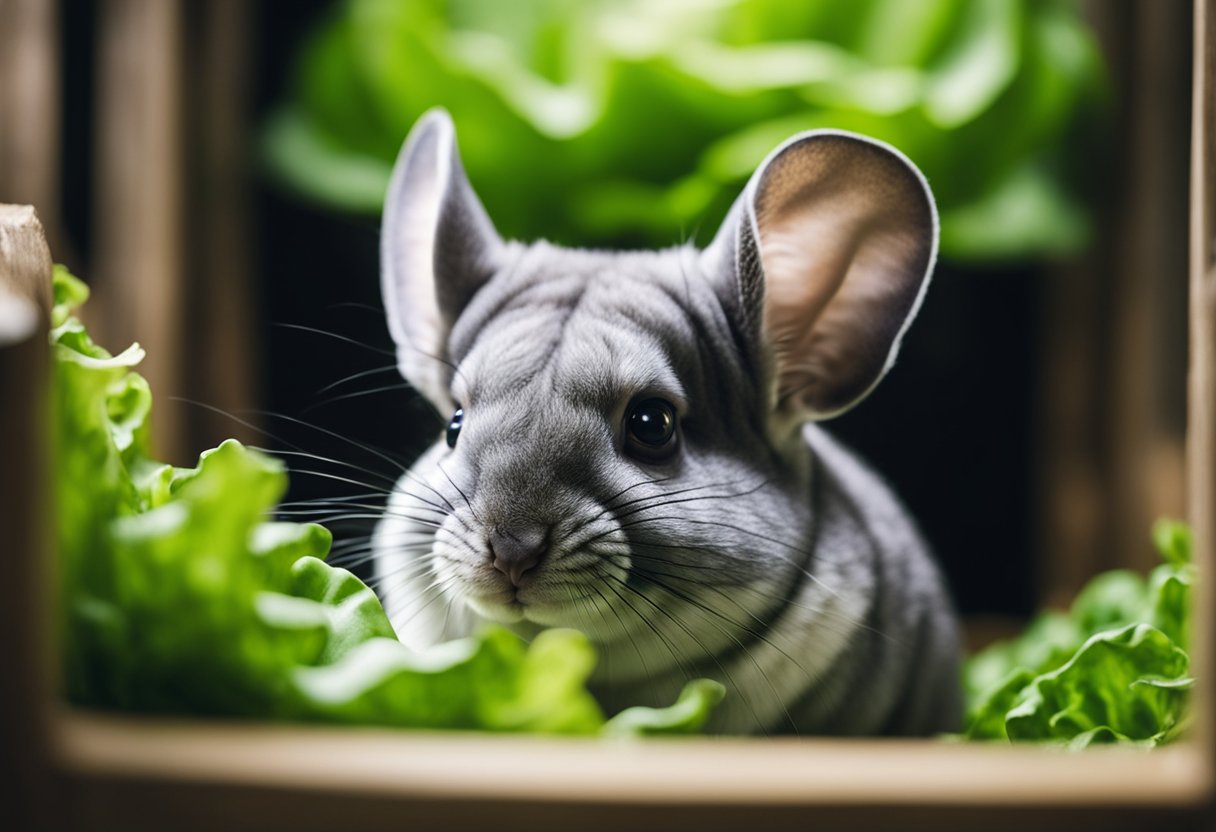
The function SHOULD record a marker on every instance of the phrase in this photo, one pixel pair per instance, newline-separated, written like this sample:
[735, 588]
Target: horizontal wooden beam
[144, 759]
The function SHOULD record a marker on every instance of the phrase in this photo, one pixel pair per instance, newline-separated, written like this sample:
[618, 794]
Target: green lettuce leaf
[637, 123]
[1114, 669]
[180, 595]
[1128, 683]
[686, 716]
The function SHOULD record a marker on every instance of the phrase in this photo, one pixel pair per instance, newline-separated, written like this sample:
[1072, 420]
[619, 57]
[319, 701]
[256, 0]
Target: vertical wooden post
[222, 367]
[1146, 400]
[29, 107]
[27, 691]
[1201, 427]
[138, 262]
[1113, 418]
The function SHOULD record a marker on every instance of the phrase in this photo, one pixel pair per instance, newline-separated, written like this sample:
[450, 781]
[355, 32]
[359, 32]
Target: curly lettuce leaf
[1128, 684]
[1114, 669]
[179, 595]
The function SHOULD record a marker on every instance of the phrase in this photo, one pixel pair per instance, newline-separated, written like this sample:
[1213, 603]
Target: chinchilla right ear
[824, 260]
[437, 248]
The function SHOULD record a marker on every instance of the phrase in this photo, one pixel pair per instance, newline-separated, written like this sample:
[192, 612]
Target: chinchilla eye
[454, 426]
[650, 428]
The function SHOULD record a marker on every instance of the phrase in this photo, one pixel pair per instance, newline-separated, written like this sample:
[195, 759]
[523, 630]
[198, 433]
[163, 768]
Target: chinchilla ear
[824, 260]
[437, 248]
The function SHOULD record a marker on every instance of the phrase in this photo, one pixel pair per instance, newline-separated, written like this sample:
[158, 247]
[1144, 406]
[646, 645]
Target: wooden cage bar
[1201, 417]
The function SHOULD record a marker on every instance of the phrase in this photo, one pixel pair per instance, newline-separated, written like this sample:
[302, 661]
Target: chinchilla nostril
[516, 550]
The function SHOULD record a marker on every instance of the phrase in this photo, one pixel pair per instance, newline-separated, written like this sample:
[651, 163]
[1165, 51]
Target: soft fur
[762, 553]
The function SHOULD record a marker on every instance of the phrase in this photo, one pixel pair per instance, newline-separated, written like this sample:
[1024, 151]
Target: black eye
[650, 428]
[454, 426]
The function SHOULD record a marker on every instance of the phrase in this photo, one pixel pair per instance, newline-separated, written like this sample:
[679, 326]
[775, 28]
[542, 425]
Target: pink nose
[517, 550]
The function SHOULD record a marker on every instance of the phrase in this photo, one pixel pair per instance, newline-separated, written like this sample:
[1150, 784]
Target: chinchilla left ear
[824, 259]
[437, 248]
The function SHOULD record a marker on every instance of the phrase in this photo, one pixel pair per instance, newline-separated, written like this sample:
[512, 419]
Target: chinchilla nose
[518, 549]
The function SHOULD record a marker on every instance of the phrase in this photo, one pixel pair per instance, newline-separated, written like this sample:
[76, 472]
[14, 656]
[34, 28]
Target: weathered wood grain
[26, 689]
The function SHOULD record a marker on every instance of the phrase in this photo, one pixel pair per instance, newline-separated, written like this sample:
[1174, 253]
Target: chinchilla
[632, 449]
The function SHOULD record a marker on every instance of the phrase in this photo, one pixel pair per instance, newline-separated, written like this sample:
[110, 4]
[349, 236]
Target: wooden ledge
[703, 772]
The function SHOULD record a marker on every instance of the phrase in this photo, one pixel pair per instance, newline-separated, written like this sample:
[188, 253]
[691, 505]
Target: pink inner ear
[846, 233]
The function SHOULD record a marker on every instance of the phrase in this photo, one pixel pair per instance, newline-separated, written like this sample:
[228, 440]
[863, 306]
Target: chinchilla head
[624, 450]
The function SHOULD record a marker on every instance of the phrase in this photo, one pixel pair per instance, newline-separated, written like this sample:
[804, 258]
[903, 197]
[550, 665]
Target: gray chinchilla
[633, 453]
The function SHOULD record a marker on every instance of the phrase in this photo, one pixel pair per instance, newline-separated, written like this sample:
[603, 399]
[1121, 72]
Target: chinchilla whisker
[440, 587]
[428, 522]
[447, 613]
[744, 693]
[580, 606]
[326, 475]
[296, 450]
[625, 630]
[416, 550]
[233, 417]
[358, 558]
[627, 489]
[709, 568]
[608, 507]
[339, 463]
[675, 619]
[663, 502]
[459, 491]
[432, 489]
[468, 547]
[304, 508]
[379, 511]
[318, 331]
[356, 377]
[399, 541]
[355, 304]
[411, 570]
[332, 498]
[363, 446]
[306, 512]
[325, 515]
[685, 669]
[349, 541]
[715, 614]
[679, 491]
[429, 505]
[857, 622]
[439, 359]
[676, 656]
[726, 596]
[355, 395]
[446, 509]
[806, 572]
[333, 515]
[852, 620]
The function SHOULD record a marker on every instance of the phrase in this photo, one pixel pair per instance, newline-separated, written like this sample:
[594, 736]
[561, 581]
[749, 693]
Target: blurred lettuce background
[636, 123]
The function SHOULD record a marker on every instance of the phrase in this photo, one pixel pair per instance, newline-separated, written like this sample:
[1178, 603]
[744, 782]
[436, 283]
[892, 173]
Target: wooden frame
[67, 769]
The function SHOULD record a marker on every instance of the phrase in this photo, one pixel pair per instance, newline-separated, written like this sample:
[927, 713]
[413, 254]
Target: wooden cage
[69, 769]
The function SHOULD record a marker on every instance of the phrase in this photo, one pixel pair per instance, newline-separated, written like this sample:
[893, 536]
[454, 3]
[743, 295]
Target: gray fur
[762, 554]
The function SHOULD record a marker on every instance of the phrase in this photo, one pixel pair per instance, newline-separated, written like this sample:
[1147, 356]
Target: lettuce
[1114, 669]
[180, 596]
[633, 123]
